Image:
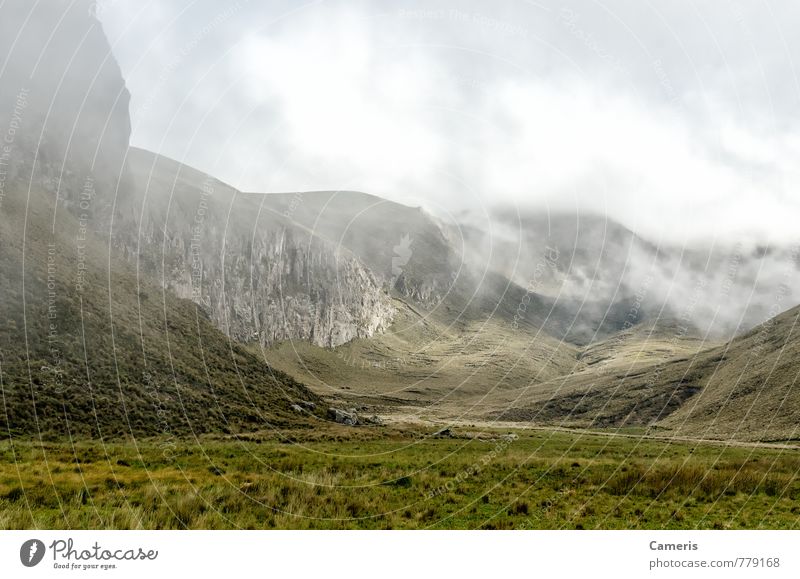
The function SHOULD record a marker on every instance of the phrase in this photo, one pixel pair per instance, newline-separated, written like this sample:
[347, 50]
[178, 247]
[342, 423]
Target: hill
[748, 387]
[744, 389]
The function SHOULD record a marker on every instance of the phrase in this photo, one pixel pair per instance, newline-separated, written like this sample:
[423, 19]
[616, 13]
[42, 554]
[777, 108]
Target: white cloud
[430, 109]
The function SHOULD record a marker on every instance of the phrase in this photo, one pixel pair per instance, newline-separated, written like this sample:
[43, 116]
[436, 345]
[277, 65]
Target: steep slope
[91, 349]
[748, 388]
[258, 276]
[63, 100]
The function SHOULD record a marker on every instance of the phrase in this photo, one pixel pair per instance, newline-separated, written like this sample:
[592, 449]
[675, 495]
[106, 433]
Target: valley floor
[398, 477]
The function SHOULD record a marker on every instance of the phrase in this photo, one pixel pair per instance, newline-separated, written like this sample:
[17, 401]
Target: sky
[678, 119]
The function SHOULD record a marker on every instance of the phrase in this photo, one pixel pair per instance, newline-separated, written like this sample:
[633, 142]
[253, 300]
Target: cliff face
[63, 101]
[281, 286]
[258, 276]
[403, 246]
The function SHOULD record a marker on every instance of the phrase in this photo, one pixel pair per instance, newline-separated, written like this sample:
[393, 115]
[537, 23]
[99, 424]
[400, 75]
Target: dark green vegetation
[378, 478]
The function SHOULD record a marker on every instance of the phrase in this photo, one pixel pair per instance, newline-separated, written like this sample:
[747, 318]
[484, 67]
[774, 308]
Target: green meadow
[382, 478]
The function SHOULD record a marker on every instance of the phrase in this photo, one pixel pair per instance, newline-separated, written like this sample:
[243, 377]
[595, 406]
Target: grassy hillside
[89, 349]
[749, 387]
[744, 389]
[423, 361]
[649, 342]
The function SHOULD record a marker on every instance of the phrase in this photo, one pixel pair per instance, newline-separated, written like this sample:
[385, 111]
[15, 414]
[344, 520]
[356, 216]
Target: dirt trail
[437, 423]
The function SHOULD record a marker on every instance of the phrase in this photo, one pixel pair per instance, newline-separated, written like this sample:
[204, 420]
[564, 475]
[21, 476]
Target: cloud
[678, 123]
[343, 111]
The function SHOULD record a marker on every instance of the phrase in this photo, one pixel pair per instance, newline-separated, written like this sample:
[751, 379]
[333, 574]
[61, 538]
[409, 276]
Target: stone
[343, 416]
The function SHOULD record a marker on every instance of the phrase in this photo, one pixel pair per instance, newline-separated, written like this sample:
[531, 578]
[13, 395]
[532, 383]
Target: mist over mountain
[63, 102]
[721, 288]
[674, 120]
[141, 295]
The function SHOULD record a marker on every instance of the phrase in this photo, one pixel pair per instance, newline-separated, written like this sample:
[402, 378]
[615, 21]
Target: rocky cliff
[66, 129]
[403, 246]
[259, 277]
[63, 102]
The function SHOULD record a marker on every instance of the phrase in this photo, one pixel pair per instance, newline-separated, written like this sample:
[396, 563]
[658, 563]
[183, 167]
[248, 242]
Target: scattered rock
[343, 417]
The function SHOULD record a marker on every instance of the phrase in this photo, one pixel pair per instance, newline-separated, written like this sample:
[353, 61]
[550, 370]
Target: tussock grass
[398, 480]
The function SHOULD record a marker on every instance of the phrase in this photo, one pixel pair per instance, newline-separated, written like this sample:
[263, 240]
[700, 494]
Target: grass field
[398, 478]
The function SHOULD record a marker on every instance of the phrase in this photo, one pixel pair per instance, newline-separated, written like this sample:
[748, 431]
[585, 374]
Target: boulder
[342, 416]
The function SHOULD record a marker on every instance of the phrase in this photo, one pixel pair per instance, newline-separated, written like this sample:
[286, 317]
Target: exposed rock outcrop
[258, 276]
[64, 104]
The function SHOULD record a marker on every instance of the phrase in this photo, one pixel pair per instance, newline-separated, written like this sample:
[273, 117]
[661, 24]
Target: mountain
[141, 245]
[142, 296]
[742, 389]
[430, 265]
[748, 387]
[723, 288]
[259, 276]
[89, 346]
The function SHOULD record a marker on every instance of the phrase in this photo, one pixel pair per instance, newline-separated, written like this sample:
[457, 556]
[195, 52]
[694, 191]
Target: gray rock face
[403, 246]
[258, 276]
[278, 286]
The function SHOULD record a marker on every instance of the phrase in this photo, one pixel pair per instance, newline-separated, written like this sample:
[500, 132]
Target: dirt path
[410, 418]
